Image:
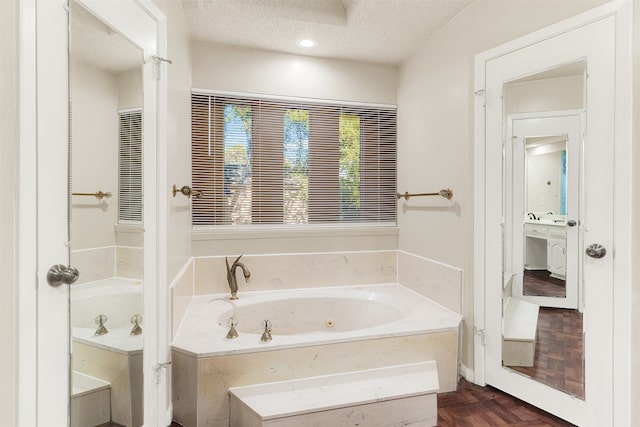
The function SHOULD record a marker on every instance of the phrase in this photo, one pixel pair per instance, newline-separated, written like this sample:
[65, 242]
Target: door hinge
[157, 65]
[158, 370]
[480, 333]
[483, 94]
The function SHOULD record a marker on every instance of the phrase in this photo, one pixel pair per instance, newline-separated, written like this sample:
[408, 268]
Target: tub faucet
[231, 275]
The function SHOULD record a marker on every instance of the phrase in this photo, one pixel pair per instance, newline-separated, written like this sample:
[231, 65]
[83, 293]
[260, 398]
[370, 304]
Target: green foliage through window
[275, 161]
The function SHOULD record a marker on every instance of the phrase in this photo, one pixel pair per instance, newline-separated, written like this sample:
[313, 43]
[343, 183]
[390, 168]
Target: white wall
[635, 252]
[8, 208]
[435, 121]
[94, 165]
[563, 93]
[130, 88]
[256, 71]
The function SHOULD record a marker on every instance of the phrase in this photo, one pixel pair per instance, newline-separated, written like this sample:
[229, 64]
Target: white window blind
[130, 167]
[275, 161]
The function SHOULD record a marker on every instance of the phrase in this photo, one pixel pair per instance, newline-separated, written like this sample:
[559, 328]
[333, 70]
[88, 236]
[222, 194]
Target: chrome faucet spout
[231, 275]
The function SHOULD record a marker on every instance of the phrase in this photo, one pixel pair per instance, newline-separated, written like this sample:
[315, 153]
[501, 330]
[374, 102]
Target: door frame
[43, 343]
[622, 10]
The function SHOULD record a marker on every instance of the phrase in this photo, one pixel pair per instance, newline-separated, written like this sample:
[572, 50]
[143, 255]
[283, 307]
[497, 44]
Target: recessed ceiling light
[307, 43]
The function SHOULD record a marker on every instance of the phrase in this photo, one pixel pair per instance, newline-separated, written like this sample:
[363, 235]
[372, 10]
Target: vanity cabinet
[556, 257]
[545, 248]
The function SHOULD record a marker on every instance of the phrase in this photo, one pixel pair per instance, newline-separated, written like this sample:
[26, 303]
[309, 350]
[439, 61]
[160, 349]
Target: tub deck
[203, 332]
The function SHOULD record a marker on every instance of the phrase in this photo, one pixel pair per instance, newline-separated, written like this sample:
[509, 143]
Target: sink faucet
[531, 215]
[231, 275]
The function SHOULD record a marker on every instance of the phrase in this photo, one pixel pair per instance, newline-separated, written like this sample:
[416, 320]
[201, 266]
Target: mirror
[542, 316]
[106, 318]
[546, 216]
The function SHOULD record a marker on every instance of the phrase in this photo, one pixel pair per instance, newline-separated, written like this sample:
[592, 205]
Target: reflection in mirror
[106, 318]
[546, 217]
[542, 335]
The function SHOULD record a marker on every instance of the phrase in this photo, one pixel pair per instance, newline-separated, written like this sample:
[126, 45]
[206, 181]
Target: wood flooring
[559, 351]
[475, 406]
[540, 282]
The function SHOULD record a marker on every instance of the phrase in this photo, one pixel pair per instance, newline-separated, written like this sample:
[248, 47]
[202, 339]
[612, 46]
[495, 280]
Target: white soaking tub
[315, 331]
[115, 357]
[117, 298]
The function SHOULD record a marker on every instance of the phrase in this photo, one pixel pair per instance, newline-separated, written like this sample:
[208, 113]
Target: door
[600, 38]
[44, 204]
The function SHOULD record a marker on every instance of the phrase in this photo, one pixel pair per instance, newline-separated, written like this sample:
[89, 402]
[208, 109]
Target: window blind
[277, 161]
[130, 166]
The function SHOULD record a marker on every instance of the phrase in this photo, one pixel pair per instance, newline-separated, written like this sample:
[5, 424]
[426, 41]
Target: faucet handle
[101, 319]
[136, 319]
[232, 322]
[266, 336]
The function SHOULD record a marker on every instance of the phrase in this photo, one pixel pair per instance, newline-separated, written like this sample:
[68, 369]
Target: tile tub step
[519, 332]
[90, 400]
[395, 395]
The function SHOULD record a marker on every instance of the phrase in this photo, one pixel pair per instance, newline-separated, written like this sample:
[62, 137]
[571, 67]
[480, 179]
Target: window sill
[128, 228]
[257, 232]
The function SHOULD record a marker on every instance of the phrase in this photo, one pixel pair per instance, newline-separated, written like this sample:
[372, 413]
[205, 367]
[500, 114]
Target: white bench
[520, 322]
[396, 395]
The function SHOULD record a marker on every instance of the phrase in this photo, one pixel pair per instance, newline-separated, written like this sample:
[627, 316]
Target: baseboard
[168, 416]
[467, 373]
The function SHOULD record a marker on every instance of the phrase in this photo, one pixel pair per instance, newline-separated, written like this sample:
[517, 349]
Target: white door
[562, 239]
[43, 349]
[51, 124]
[592, 38]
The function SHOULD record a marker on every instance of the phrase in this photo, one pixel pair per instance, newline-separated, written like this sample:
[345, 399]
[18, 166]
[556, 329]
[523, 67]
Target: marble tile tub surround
[293, 271]
[200, 385]
[439, 282]
[181, 294]
[106, 262]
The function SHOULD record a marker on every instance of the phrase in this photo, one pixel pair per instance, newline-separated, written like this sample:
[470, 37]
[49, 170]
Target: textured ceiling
[95, 43]
[380, 31]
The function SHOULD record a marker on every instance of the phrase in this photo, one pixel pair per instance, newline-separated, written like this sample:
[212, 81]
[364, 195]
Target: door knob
[572, 223]
[596, 250]
[60, 273]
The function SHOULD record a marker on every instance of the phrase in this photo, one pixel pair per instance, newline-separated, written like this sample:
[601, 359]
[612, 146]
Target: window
[130, 166]
[273, 161]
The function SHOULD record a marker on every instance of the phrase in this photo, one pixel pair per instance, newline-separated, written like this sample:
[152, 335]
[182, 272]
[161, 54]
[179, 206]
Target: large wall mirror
[543, 115]
[106, 306]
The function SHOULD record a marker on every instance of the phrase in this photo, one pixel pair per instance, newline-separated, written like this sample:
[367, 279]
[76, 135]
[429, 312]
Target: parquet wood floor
[559, 351]
[475, 406]
[539, 282]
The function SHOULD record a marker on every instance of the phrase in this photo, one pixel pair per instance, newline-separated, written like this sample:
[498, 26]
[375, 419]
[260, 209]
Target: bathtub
[118, 299]
[315, 331]
[308, 317]
[116, 357]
